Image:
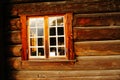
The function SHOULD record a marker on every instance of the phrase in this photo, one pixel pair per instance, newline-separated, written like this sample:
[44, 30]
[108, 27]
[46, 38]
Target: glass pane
[52, 21]
[53, 51]
[40, 52]
[40, 31]
[40, 22]
[59, 21]
[32, 41]
[33, 51]
[61, 51]
[32, 32]
[32, 22]
[40, 41]
[61, 41]
[60, 31]
[53, 41]
[52, 31]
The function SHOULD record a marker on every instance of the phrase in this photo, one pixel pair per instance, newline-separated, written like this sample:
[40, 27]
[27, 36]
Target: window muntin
[40, 43]
[56, 37]
[37, 35]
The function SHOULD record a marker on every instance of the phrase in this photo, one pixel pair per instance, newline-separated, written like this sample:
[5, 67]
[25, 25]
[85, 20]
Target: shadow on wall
[4, 17]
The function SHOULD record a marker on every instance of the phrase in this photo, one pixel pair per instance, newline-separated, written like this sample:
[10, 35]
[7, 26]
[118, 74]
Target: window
[47, 37]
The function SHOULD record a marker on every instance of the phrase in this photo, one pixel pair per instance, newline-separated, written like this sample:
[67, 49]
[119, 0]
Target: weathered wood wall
[96, 29]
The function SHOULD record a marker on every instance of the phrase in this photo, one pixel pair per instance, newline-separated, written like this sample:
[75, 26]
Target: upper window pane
[52, 21]
[40, 31]
[59, 21]
[32, 22]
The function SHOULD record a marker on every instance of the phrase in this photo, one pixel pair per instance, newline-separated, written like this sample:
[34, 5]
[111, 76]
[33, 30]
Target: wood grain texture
[63, 7]
[24, 38]
[15, 24]
[15, 50]
[92, 34]
[97, 19]
[69, 75]
[82, 63]
[14, 37]
[110, 47]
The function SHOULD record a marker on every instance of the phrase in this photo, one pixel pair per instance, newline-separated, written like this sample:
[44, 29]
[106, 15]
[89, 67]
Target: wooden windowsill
[47, 62]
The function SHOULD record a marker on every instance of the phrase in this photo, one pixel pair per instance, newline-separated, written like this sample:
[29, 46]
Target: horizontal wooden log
[75, 78]
[97, 19]
[95, 74]
[14, 37]
[14, 63]
[83, 63]
[15, 50]
[15, 24]
[63, 7]
[88, 34]
[50, 74]
[29, 1]
[97, 47]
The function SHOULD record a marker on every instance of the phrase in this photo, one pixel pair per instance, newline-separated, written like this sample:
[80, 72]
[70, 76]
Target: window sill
[50, 62]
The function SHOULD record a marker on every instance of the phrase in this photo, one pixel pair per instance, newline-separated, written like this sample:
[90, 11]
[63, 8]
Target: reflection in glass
[40, 41]
[33, 51]
[53, 41]
[60, 31]
[32, 41]
[39, 22]
[61, 51]
[59, 21]
[40, 52]
[60, 40]
[32, 22]
[32, 32]
[52, 21]
[53, 51]
[40, 31]
[52, 31]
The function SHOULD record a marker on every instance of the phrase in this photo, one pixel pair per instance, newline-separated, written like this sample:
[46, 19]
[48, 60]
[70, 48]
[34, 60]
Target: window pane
[40, 31]
[39, 22]
[40, 52]
[32, 32]
[32, 41]
[52, 21]
[61, 41]
[33, 51]
[52, 31]
[59, 21]
[61, 51]
[40, 41]
[53, 51]
[53, 41]
[32, 22]
[60, 31]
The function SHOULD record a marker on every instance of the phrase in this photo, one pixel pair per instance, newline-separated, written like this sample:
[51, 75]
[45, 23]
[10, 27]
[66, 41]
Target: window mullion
[46, 36]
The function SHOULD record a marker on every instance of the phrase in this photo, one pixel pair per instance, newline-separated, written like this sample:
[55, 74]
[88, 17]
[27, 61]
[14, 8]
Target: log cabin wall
[96, 33]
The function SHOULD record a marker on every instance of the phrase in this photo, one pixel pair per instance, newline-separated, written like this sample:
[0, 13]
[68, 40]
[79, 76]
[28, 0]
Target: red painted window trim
[69, 38]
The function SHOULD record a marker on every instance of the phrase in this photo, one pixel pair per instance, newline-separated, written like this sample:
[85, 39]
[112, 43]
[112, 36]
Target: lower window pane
[61, 41]
[33, 51]
[53, 52]
[32, 41]
[40, 41]
[40, 52]
[61, 51]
